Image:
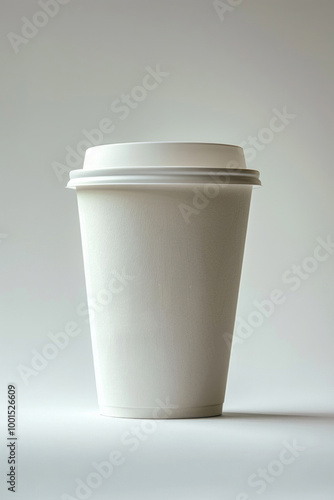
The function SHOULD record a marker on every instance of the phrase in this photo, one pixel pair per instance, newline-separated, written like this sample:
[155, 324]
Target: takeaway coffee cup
[163, 230]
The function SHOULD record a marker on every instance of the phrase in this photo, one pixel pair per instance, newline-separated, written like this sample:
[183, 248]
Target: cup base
[162, 413]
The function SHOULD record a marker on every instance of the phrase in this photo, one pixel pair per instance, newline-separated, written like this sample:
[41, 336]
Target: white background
[227, 69]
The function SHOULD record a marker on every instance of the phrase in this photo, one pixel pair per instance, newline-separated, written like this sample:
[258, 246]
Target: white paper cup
[163, 231]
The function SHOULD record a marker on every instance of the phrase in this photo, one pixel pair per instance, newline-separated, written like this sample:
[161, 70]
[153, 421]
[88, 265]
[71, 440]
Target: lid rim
[185, 143]
[105, 177]
[160, 171]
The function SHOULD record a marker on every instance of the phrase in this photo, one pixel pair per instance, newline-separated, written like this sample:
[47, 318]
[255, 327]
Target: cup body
[162, 267]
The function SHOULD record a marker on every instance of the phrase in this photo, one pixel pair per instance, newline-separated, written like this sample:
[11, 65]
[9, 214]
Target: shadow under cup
[163, 232]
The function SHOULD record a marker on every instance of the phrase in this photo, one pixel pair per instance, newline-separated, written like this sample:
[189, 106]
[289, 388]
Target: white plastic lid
[163, 163]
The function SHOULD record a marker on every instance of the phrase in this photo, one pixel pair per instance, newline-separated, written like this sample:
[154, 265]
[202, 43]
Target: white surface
[177, 459]
[225, 80]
